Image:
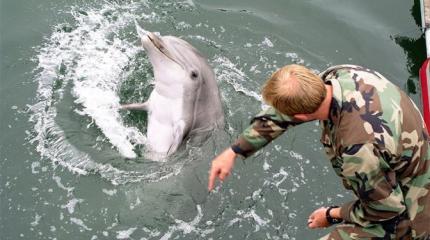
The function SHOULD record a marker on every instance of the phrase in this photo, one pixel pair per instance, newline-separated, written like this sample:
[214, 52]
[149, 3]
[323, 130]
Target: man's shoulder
[358, 90]
[333, 71]
[353, 79]
[348, 72]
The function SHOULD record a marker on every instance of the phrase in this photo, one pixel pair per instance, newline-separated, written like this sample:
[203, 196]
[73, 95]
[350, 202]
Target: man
[375, 139]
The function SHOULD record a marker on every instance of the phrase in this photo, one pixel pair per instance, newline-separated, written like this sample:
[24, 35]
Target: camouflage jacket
[376, 141]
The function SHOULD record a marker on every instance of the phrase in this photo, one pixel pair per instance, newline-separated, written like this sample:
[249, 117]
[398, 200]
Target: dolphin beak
[155, 40]
[140, 31]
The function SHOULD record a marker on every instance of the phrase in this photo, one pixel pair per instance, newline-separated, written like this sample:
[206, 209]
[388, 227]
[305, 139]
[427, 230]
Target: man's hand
[221, 167]
[317, 219]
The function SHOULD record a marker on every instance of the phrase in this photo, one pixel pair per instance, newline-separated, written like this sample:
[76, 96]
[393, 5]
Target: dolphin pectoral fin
[135, 106]
[178, 135]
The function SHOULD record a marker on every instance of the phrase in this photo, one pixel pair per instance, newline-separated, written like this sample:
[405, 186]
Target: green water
[54, 179]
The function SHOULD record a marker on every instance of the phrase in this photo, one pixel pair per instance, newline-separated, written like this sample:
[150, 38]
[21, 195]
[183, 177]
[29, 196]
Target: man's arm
[374, 183]
[265, 127]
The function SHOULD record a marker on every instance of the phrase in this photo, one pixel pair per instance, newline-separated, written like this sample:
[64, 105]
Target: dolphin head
[174, 60]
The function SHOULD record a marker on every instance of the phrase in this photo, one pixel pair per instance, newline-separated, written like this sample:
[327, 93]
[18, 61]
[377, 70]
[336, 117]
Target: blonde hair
[294, 89]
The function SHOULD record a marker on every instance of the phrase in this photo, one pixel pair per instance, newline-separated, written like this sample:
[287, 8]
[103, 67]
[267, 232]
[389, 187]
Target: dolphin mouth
[156, 42]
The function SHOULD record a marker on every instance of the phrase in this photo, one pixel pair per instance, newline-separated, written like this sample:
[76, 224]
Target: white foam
[94, 63]
[251, 214]
[188, 227]
[57, 179]
[266, 165]
[151, 233]
[227, 71]
[133, 205]
[91, 58]
[36, 221]
[109, 192]
[71, 204]
[35, 165]
[266, 42]
[190, 2]
[294, 58]
[281, 174]
[80, 223]
[125, 234]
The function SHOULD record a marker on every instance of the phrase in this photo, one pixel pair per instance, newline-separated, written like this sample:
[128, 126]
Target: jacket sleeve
[265, 127]
[373, 182]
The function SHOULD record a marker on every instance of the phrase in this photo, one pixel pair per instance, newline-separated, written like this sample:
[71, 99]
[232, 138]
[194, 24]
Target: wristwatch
[331, 219]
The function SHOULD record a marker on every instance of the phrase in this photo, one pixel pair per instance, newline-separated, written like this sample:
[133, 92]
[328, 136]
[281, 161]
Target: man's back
[373, 111]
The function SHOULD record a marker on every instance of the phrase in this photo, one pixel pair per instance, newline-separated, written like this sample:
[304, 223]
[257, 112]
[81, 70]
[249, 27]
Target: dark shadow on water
[415, 50]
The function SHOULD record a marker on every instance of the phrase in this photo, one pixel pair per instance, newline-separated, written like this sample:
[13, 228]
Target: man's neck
[324, 110]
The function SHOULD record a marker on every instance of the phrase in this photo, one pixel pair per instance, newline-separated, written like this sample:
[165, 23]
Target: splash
[188, 227]
[227, 71]
[88, 61]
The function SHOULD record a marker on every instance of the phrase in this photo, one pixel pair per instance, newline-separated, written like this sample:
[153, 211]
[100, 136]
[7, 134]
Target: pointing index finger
[212, 177]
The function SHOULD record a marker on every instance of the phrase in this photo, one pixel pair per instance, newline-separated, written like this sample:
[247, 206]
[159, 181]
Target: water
[67, 65]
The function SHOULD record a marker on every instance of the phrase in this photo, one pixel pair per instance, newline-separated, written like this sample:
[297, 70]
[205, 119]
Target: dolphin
[185, 101]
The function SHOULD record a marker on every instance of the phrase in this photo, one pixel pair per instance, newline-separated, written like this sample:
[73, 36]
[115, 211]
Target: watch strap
[331, 219]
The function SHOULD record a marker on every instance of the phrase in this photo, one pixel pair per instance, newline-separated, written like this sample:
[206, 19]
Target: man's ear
[302, 117]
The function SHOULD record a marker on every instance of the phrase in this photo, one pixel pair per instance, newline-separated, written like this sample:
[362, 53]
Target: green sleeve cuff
[243, 148]
[346, 209]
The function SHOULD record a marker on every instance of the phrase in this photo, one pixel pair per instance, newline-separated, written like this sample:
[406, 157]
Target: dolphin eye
[194, 74]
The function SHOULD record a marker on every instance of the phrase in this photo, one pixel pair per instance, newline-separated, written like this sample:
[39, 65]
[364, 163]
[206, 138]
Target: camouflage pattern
[378, 145]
